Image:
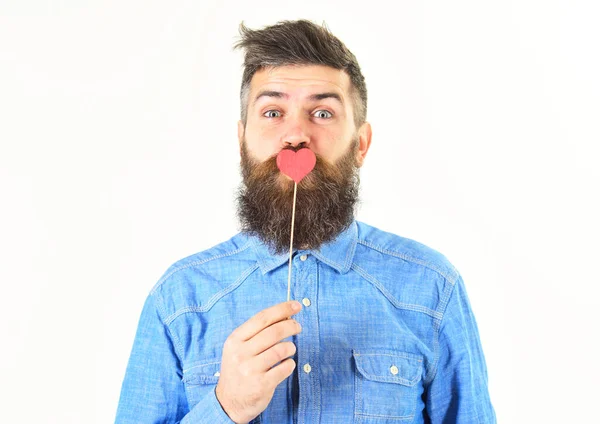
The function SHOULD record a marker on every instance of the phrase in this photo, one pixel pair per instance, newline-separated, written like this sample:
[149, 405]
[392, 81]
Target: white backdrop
[119, 156]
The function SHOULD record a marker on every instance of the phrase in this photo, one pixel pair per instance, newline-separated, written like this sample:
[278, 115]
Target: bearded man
[382, 328]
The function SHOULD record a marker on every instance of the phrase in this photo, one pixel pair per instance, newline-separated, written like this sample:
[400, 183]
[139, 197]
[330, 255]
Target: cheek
[261, 144]
[329, 146]
[259, 152]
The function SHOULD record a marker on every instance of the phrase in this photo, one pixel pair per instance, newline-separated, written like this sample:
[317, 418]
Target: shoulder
[412, 272]
[196, 278]
[394, 248]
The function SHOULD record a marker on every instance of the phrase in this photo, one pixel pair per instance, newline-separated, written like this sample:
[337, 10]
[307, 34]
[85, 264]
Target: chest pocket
[200, 380]
[387, 386]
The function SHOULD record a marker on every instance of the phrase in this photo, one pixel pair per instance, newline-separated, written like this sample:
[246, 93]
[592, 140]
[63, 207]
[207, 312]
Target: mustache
[268, 173]
[325, 201]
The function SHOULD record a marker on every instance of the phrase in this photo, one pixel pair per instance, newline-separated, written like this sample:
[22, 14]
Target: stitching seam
[391, 298]
[196, 263]
[213, 299]
[411, 259]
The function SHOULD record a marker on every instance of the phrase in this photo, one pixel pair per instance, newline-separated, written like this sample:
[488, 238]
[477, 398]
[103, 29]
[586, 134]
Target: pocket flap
[202, 373]
[389, 366]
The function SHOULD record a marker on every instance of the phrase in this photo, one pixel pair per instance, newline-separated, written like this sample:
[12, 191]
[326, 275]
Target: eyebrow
[312, 97]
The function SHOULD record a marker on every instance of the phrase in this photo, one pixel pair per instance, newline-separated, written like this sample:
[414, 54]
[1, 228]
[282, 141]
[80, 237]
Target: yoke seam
[209, 304]
[411, 259]
[197, 263]
[391, 298]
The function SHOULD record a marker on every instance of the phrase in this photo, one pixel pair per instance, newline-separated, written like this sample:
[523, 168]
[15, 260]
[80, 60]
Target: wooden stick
[291, 242]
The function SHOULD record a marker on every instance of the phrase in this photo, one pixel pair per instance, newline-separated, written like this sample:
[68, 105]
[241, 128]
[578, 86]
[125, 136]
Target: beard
[325, 200]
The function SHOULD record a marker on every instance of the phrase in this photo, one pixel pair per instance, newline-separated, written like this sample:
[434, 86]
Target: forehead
[298, 79]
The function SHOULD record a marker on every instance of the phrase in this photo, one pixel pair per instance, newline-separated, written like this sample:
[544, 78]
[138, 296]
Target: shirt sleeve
[153, 390]
[459, 393]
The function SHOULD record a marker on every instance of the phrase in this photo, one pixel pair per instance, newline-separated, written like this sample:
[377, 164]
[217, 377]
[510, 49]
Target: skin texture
[255, 360]
[274, 123]
[247, 382]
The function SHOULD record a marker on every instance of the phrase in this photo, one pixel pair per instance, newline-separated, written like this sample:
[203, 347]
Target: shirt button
[217, 374]
[306, 302]
[307, 368]
[394, 369]
[303, 258]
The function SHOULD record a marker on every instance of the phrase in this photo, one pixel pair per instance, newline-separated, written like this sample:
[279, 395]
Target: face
[310, 106]
[292, 108]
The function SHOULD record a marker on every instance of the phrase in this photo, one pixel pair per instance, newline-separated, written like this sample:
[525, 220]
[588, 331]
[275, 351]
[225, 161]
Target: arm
[152, 390]
[458, 393]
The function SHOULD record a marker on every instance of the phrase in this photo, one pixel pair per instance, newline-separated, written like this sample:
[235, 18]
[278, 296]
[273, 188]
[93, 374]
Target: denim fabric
[388, 333]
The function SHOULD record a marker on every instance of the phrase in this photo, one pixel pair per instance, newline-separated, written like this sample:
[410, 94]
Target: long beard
[325, 201]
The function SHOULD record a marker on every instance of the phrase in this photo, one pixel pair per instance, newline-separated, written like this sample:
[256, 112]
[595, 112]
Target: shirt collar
[338, 253]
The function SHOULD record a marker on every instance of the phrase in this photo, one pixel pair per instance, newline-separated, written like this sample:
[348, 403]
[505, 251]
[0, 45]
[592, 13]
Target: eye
[270, 114]
[323, 114]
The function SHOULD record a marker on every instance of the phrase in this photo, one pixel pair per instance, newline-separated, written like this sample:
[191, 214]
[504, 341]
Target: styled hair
[299, 42]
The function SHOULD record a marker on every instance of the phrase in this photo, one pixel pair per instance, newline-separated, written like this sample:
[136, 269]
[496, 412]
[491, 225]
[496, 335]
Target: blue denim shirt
[388, 335]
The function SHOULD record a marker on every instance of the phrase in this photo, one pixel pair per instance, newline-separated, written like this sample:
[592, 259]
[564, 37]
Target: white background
[119, 156]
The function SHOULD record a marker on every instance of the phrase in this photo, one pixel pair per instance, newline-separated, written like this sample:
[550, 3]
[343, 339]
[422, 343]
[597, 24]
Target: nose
[296, 134]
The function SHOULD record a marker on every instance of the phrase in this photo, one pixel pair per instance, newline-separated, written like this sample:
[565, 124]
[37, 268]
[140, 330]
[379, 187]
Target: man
[382, 331]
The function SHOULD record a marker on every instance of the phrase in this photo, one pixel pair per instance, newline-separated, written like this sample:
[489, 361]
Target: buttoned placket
[307, 342]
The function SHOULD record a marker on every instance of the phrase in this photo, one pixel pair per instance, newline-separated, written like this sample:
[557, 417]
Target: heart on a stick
[296, 165]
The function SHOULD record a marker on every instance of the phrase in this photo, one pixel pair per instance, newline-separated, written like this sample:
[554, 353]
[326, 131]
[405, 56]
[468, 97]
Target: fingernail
[296, 306]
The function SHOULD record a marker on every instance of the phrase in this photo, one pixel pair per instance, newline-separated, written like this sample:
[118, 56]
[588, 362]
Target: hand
[247, 382]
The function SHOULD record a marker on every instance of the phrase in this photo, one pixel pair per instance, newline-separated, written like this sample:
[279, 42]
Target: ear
[241, 131]
[364, 137]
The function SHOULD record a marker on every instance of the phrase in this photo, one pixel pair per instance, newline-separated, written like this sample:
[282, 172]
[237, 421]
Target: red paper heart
[296, 165]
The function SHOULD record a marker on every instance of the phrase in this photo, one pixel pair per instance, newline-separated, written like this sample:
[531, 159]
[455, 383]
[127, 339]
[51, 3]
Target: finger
[270, 357]
[265, 318]
[272, 335]
[277, 374]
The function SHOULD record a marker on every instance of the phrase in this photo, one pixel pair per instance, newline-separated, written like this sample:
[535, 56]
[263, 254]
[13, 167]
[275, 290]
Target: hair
[299, 42]
[325, 203]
